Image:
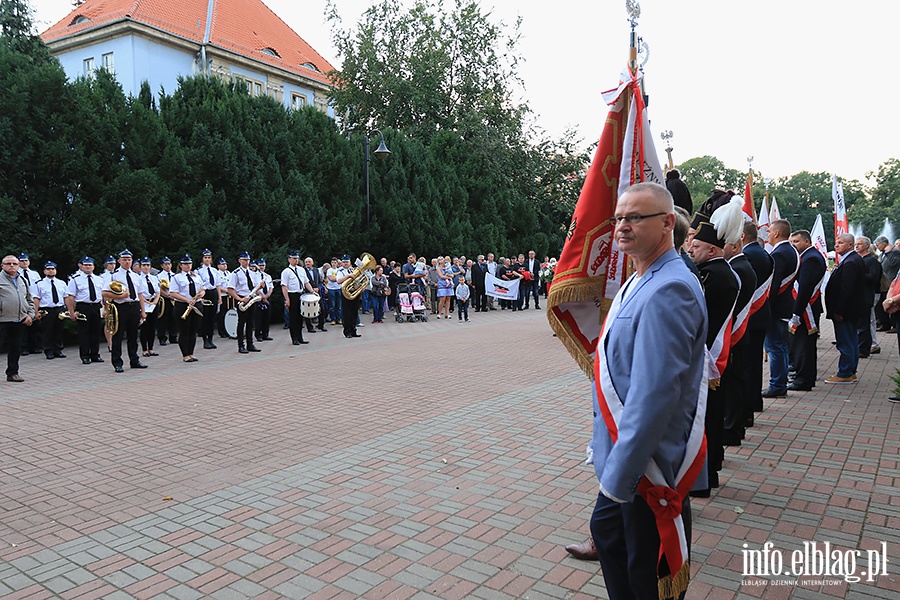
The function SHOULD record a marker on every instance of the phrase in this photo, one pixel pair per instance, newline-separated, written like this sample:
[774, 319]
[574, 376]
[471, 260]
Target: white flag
[818, 237]
[762, 226]
[774, 213]
[500, 288]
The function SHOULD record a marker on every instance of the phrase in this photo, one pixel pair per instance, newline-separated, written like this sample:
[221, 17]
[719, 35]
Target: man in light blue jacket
[649, 405]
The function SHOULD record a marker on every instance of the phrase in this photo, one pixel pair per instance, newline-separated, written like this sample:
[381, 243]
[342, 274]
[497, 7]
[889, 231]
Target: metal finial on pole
[667, 138]
[633, 8]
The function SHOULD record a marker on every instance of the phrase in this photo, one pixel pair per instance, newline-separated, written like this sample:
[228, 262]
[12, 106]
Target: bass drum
[231, 322]
[309, 306]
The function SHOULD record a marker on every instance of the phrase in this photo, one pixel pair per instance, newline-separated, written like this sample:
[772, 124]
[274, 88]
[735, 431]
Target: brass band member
[154, 294]
[227, 301]
[130, 307]
[349, 307]
[212, 286]
[167, 325]
[85, 290]
[294, 283]
[186, 289]
[243, 282]
[49, 296]
[263, 315]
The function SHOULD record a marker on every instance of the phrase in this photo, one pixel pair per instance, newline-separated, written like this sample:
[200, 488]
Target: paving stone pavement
[425, 460]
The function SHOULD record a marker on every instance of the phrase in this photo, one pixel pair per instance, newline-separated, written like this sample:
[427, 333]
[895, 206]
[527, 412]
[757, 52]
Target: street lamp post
[381, 152]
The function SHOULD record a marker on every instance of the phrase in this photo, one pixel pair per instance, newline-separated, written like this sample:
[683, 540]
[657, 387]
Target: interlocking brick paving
[425, 460]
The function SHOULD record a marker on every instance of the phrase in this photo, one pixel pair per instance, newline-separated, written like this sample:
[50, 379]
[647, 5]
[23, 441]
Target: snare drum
[231, 322]
[309, 306]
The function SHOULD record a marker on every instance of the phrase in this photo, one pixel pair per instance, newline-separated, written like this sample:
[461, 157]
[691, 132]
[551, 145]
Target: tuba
[111, 318]
[357, 283]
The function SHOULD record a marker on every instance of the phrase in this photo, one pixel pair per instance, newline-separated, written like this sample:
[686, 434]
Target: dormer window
[78, 20]
[311, 67]
[270, 52]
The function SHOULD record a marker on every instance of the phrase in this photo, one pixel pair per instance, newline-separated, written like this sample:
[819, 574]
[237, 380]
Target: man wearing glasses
[16, 313]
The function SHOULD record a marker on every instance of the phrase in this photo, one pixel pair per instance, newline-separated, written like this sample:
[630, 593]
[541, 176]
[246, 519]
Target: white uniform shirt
[238, 281]
[151, 281]
[122, 275]
[267, 287]
[224, 278]
[30, 276]
[80, 288]
[43, 291]
[294, 279]
[106, 277]
[181, 284]
[204, 272]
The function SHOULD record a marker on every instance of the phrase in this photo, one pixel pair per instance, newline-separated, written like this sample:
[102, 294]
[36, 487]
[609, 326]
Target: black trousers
[227, 304]
[90, 331]
[295, 320]
[736, 407]
[627, 542]
[14, 334]
[167, 327]
[148, 329]
[804, 355]
[187, 335]
[350, 313]
[129, 320]
[753, 373]
[208, 326]
[52, 335]
[245, 326]
[479, 299]
[261, 320]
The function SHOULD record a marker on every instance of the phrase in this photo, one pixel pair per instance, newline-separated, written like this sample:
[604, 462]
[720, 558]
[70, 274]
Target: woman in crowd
[380, 289]
[445, 288]
[395, 278]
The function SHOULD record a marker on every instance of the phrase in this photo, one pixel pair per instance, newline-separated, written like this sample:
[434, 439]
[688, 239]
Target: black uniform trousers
[208, 324]
[753, 373]
[295, 319]
[349, 314]
[261, 320]
[148, 328]
[187, 335]
[129, 320]
[52, 334]
[736, 407]
[90, 331]
[167, 327]
[227, 304]
[245, 326]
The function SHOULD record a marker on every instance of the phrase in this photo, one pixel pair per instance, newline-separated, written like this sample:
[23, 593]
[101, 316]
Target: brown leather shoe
[583, 551]
[17, 378]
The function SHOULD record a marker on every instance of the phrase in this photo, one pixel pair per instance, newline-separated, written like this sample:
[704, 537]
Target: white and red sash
[809, 319]
[760, 294]
[788, 281]
[664, 501]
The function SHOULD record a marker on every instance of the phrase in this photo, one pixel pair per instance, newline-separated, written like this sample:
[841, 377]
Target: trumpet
[193, 307]
[78, 316]
[255, 296]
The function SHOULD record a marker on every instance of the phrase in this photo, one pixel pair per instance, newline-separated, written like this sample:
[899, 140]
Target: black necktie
[211, 280]
[150, 286]
[131, 293]
[91, 289]
[249, 281]
[193, 288]
[55, 293]
[27, 278]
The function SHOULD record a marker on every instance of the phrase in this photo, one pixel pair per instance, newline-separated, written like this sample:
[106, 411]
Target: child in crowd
[462, 299]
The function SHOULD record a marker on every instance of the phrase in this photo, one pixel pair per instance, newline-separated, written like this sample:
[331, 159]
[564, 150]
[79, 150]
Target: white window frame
[108, 62]
[89, 67]
[303, 100]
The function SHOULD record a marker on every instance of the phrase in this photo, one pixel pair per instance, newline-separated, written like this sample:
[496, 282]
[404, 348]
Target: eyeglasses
[8, 264]
[632, 219]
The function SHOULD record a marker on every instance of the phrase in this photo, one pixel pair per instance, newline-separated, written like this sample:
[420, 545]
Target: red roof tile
[245, 27]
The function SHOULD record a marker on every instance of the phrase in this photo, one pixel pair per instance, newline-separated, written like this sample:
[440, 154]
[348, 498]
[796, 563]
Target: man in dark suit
[781, 300]
[844, 306]
[533, 266]
[871, 289]
[478, 271]
[804, 323]
[734, 383]
[315, 281]
[760, 315]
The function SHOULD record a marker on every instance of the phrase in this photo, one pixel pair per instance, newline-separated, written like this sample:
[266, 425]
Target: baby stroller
[418, 304]
[404, 306]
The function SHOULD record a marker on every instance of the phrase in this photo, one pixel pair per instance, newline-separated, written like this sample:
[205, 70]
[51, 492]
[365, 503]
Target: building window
[253, 87]
[89, 67]
[270, 51]
[298, 101]
[109, 63]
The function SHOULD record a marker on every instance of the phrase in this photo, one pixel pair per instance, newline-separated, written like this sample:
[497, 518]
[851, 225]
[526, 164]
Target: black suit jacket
[763, 265]
[781, 300]
[844, 293]
[720, 288]
[315, 278]
[871, 278]
[812, 270]
[478, 271]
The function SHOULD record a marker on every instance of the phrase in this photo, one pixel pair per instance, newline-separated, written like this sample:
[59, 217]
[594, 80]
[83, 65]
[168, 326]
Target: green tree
[17, 30]
[704, 174]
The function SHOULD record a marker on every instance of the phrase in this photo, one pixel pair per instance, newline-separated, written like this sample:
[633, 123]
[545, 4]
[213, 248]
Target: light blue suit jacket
[655, 352]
